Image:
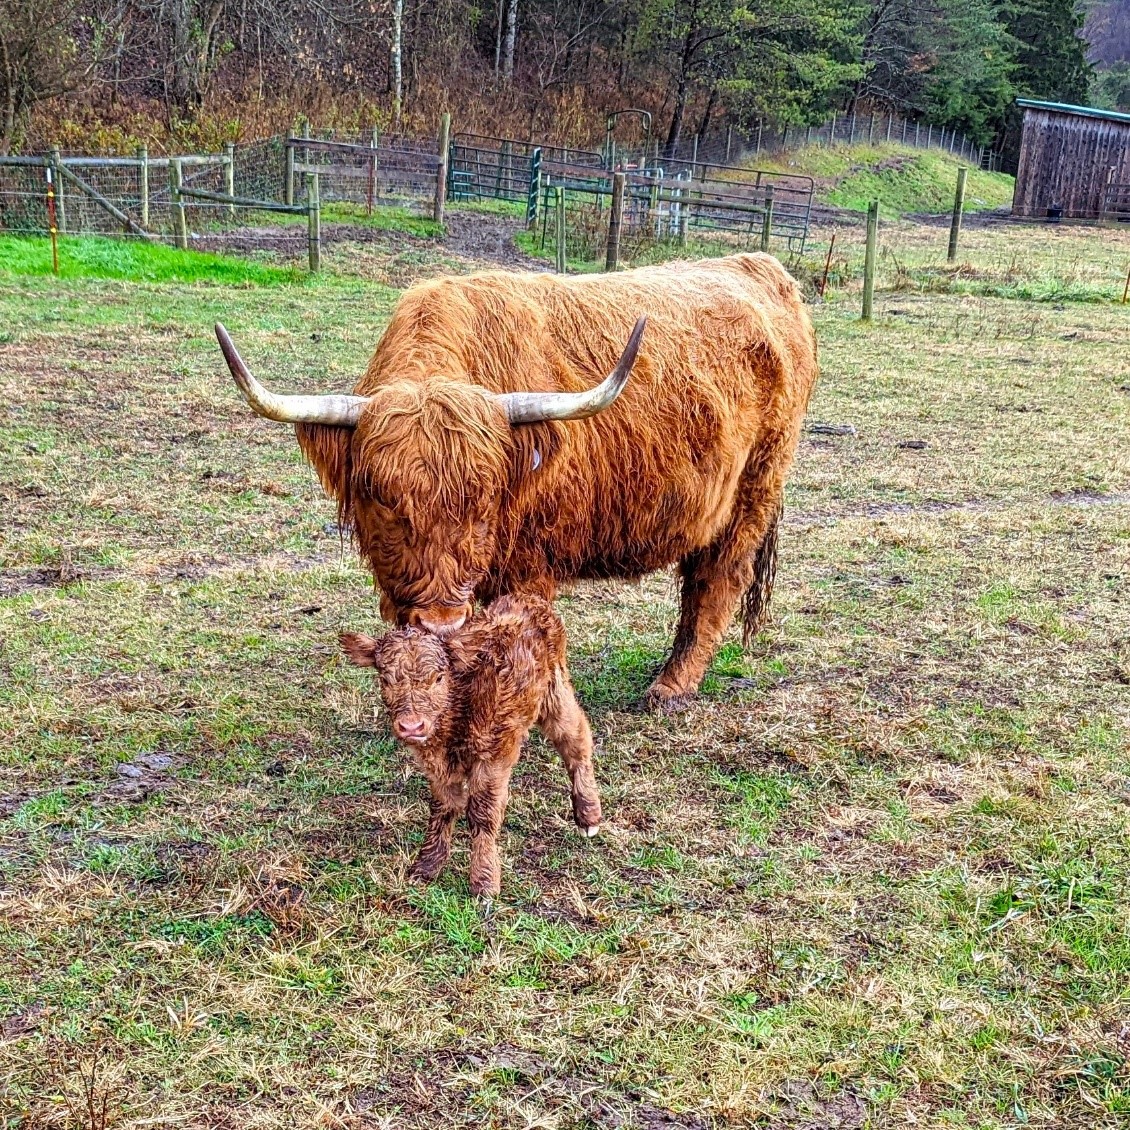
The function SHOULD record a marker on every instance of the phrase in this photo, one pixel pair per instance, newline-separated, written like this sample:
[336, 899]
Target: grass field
[876, 877]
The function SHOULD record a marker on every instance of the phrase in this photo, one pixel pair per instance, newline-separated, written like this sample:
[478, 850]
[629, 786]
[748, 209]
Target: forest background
[192, 74]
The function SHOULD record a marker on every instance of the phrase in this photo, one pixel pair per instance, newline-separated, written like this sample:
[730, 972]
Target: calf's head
[414, 674]
[421, 471]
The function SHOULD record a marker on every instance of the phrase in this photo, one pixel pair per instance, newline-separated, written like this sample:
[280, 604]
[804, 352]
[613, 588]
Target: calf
[463, 706]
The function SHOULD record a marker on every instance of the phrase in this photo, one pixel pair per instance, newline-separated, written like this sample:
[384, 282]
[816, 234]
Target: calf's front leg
[446, 805]
[488, 792]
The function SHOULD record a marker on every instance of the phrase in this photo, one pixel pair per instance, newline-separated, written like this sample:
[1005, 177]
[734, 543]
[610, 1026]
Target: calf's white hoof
[590, 832]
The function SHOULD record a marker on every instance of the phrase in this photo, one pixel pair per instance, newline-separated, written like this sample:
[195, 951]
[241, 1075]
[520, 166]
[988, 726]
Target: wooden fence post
[871, 128]
[229, 174]
[955, 223]
[176, 202]
[889, 129]
[502, 176]
[143, 184]
[767, 218]
[441, 172]
[615, 220]
[60, 195]
[869, 261]
[729, 140]
[288, 176]
[559, 242]
[372, 185]
[685, 211]
[314, 221]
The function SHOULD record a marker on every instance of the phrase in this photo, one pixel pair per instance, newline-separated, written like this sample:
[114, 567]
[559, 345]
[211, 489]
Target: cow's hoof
[590, 832]
[662, 699]
[424, 872]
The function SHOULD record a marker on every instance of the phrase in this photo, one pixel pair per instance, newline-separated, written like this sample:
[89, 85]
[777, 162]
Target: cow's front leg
[743, 560]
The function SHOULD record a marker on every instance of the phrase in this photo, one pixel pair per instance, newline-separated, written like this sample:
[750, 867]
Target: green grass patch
[900, 178]
[512, 209]
[94, 257]
[393, 218]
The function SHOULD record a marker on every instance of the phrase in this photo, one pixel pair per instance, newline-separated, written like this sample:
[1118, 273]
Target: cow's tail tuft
[755, 603]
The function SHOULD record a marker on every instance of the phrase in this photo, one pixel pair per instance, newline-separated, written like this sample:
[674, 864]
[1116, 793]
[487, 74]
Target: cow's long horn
[532, 407]
[341, 411]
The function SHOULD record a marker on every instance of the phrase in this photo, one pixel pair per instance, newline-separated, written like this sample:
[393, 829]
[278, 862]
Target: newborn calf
[464, 705]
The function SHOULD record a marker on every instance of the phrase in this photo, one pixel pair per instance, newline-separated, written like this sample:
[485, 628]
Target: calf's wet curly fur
[464, 705]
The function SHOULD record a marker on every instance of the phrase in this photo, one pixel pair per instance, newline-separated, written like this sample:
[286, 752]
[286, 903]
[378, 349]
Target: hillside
[902, 179]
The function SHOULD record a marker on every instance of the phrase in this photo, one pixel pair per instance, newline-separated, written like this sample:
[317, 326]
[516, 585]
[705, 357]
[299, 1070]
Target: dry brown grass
[876, 876]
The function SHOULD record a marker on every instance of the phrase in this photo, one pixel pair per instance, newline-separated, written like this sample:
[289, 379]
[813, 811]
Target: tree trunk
[682, 89]
[676, 131]
[704, 122]
[498, 37]
[511, 34]
[395, 56]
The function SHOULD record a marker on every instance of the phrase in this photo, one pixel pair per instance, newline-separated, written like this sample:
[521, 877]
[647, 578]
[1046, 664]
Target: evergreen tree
[1050, 52]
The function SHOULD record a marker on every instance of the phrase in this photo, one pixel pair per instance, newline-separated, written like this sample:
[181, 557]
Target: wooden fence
[188, 199]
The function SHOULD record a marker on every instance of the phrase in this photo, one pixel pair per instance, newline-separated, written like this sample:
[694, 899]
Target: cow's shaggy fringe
[755, 602]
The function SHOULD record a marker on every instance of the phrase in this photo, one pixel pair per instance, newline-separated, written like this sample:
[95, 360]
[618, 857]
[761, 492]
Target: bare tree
[511, 34]
[39, 58]
[191, 36]
[395, 56]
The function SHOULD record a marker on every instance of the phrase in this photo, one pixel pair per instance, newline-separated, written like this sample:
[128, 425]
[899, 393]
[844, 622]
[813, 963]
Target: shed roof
[1082, 111]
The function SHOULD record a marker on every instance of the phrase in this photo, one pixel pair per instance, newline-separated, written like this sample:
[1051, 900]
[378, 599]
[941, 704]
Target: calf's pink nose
[410, 727]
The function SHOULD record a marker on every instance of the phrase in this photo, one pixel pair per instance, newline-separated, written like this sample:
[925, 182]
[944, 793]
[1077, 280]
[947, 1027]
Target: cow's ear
[361, 651]
[329, 450]
[533, 448]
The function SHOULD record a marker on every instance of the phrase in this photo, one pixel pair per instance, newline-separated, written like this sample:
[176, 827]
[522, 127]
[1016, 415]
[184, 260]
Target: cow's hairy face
[429, 470]
[415, 678]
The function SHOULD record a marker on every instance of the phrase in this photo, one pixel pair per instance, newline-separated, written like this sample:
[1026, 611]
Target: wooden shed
[1074, 163]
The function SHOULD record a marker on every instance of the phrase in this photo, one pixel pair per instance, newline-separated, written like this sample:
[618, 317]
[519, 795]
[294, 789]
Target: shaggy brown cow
[461, 479]
[463, 706]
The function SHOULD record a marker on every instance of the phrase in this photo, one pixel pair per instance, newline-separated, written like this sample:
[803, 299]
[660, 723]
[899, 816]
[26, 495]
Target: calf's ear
[361, 651]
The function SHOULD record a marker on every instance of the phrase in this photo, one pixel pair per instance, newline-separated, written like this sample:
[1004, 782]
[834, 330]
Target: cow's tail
[755, 603]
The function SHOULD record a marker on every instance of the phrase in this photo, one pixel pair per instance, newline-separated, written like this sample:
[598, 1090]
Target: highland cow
[456, 467]
[464, 705]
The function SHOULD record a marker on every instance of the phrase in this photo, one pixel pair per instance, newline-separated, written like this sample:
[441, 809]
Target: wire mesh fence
[215, 195]
[482, 167]
[267, 194]
[23, 195]
[871, 128]
[385, 171]
[701, 206]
